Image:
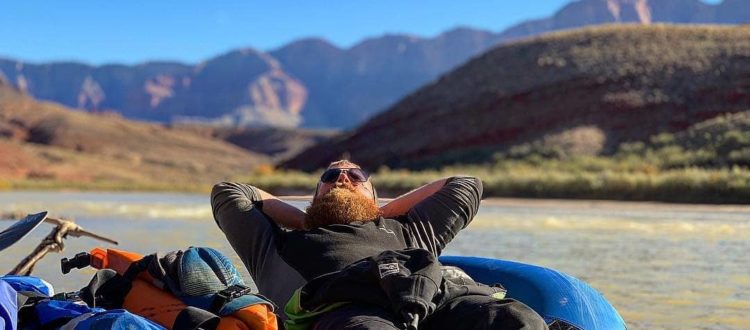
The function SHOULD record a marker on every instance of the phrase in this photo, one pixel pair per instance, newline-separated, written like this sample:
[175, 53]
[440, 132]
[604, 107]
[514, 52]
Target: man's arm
[228, 197]
[281, 212]
[402, 204]
[434, 221]
[244, 214]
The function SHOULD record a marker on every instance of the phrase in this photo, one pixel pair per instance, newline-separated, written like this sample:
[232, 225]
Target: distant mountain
[590, 12]
[594, 88]
[348, 86]
[45, 141]
[314, 83]
[243, 87]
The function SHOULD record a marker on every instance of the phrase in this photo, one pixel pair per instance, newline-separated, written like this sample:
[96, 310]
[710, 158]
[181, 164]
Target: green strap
[498, 295]
[299, 318]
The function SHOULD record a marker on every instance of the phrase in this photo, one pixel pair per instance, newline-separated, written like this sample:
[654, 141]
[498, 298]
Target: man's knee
[357, 317]
[513, 314]
[484, 312]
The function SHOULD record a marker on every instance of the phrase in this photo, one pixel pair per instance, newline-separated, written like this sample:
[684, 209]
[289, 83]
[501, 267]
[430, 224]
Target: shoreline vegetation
[588, 178]
[709, 163]
[554, 180]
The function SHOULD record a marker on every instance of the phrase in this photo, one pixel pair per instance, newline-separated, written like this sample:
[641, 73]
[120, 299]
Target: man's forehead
[344, 165]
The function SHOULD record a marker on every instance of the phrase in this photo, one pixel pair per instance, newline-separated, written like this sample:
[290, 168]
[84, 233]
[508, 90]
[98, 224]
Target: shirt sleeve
[237, 209]
[436, 220]
[237, 212]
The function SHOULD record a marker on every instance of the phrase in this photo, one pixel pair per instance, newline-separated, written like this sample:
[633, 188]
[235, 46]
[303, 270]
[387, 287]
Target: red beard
[341, 205]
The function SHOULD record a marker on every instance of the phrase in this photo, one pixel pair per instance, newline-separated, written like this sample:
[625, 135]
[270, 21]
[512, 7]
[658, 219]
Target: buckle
[67, 296]
[223, 297]
[234, 291]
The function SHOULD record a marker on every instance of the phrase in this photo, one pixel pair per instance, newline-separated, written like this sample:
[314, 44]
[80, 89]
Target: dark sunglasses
[355, 174]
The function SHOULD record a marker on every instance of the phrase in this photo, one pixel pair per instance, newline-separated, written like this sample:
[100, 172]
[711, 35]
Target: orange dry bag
[195, 288]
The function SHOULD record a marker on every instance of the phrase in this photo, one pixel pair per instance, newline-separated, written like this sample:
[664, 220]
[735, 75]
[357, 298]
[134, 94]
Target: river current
[662, 266]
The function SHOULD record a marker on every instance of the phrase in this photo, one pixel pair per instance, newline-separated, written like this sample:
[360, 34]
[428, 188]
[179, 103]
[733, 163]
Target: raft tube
[556, 296]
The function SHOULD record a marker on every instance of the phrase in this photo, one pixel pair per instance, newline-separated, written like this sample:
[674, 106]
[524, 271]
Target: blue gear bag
[8, 307]
[40, 310]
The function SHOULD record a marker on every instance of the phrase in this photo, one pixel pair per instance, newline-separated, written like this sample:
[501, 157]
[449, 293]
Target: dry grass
[47, 145]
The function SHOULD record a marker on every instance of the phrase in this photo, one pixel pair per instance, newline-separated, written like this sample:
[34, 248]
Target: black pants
[468, 312]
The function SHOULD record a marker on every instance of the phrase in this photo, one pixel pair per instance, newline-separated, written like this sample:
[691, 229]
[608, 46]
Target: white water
[662, 266]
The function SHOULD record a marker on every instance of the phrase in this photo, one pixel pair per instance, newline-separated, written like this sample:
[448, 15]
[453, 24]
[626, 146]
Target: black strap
[107, 289]
[192, 318]
[137, 267]
[68, 296]
[223, 297]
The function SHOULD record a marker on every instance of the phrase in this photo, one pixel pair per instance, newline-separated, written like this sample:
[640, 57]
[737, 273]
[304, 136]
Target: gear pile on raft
[199, 288]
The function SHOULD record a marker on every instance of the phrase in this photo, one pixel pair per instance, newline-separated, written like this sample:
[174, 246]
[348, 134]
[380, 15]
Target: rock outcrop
[313, 83]
[609, 84]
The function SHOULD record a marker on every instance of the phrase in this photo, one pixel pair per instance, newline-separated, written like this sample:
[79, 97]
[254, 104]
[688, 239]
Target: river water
[662, 266]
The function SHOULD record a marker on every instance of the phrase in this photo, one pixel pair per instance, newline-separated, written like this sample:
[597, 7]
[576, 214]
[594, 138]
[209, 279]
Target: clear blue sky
[132, 31]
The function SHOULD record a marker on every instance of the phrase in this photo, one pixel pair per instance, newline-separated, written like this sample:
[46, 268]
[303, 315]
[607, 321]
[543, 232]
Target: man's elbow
[469, 193]
[225, 192]
[219, 187]
[471, 183]
[217, 191]
[479, 186]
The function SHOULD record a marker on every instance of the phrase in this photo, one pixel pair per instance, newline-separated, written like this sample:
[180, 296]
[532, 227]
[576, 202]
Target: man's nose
[343, 178]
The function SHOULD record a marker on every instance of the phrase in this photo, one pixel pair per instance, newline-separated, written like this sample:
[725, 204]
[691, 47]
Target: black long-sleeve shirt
[429, 225]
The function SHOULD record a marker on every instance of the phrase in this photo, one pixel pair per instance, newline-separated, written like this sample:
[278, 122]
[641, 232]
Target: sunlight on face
[364, 188]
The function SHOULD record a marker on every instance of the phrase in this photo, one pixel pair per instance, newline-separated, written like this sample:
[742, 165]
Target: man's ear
[374, 193]
[317, 188]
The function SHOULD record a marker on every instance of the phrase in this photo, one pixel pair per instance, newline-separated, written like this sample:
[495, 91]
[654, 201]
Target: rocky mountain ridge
[313, 83]
[597, 87]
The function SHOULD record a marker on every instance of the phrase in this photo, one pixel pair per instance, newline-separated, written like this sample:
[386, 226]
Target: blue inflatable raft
[556, 296]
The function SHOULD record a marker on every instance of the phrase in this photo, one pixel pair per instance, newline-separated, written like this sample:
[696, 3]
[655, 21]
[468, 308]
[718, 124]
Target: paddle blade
[20, 229]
